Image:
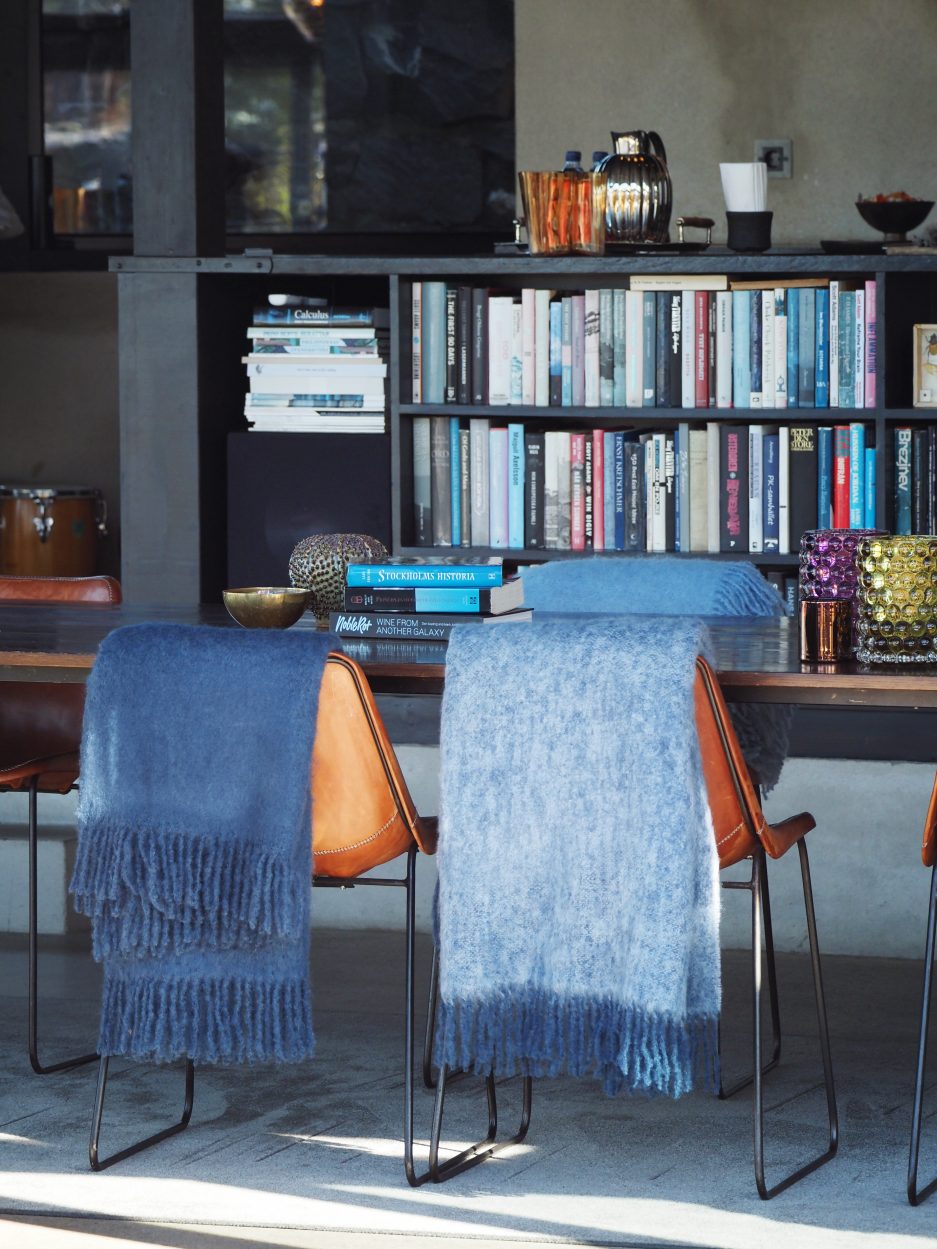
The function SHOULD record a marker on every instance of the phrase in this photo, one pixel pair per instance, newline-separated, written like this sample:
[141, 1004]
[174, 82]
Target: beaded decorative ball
[318, 564]
[897, 599]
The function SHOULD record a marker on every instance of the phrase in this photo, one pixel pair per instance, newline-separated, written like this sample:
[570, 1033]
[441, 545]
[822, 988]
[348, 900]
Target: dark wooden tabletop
[757, 659]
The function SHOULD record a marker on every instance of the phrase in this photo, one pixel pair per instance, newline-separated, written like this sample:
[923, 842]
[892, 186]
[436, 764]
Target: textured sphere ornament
[897, 597]
[318, 564]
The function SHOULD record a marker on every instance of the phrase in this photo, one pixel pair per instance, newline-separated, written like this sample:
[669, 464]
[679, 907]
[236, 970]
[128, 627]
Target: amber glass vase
[897, 599]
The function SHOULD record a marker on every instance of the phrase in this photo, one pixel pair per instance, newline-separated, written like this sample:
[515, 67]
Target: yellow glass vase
[897, 599]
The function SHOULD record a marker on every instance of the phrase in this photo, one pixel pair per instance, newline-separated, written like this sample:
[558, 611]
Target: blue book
[566, 350]
[608, 488]
[822, 338]
[902, 479]
[741, 363]
[515, 486]
[434, 342]
[556, 353]
[498, 486]
[793, 347]
[754, 348]
[870, 476]
[649, 349]
[455, 477]
[619, 527]
[771, 516]
[847, 349]
[618, 347]
[856, 475]
[462, 575]
[824, 476]
[807, 348]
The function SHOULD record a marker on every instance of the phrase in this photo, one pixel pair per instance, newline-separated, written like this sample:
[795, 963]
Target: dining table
[756, 659]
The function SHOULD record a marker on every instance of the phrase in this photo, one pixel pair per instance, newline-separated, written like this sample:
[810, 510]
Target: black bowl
[894, 217]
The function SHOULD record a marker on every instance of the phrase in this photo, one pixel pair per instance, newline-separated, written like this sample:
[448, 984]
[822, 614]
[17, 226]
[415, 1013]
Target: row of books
[915, 486]
[709, 488]
[426, 601]
[313, 368]
[667, 340]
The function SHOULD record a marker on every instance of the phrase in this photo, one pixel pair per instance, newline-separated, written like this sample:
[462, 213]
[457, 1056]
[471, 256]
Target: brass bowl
[266, 606]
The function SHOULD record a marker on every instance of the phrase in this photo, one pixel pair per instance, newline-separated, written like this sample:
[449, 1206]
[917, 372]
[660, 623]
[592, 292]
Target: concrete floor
[311, 1155]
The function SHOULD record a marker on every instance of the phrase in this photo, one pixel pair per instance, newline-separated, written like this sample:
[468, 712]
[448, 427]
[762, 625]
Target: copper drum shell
[825, 631]
[49, 531]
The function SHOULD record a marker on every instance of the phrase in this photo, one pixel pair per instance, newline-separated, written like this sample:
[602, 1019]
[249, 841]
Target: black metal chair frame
[66, 1064]
[915, 1194]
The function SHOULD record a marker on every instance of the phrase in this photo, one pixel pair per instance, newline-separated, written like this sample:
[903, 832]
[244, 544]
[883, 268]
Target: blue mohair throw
[578, 906]
[675, 585]
[194, 852]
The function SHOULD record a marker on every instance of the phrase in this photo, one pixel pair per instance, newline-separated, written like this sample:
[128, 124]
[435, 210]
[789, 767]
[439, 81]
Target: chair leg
[33, 956]
[475, 1153]
[758, 1101]
[917, 1195]
[429, 1080]
[98, 1163]
[771, 966]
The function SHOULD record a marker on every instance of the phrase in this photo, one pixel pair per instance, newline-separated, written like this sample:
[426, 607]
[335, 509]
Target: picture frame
[925, 366]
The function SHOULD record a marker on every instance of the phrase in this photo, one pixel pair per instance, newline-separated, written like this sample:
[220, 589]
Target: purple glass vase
[828, 566]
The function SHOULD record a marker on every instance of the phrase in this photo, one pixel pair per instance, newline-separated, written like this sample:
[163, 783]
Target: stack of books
[412, 599]
[315, 368]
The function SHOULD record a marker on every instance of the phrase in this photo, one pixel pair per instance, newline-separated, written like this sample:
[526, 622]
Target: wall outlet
[777, 155]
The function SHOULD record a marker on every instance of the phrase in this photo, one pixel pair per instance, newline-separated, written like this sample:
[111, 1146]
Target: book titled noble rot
[733, 487]
[460, 572]
[414, 624]
[802, 481]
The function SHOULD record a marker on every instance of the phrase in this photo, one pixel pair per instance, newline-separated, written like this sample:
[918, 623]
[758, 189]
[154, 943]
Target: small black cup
[749, 232]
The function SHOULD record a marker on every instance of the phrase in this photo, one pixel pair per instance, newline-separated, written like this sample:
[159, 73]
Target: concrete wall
[849, 81]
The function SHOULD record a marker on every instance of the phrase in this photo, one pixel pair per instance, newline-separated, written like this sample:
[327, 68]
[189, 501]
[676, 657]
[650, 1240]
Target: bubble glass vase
[897, 599]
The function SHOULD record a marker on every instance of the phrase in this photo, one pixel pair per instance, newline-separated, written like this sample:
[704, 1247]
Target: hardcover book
[479, 345]
[902, 479]
[463, 340]
[825, 477]
[733, 490]
[416, 343]
[498, 486]
[422, 499]
[771, 533]
[840, 476]
[478, 473]
[455, 480]
[533, 490]
[434, 342]
[452, 296]
[493, 600]
[414, 624]
[802, 478]
[460, 572]
[441, 480]
[516, 486]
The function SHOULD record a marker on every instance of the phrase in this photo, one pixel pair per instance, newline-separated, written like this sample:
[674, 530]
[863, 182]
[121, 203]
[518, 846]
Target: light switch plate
[777, 155]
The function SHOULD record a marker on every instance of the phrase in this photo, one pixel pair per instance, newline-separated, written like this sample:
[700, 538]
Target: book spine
[902, 479]
[701, 352]
[635, 499]
[780, 348]
[618, 488]
[698, 491]
[434, 342]
[598, 490]
[556, 353]
[822, 349]
[770, 519]
[825, 476]
[428, 626]
[755, 488]
[784, 490]
[465, 487]
[416, 343]
[463, 338]
[440, 480]
[649, 350]
[767, 349]
[564, 487]
[579, 350]
[455, 474]
[517, 352]
[919, 473]
[807, 379]
[857, 475]
[711, 345]
[662, 350]
[528, 346]
[840, 477]
[577, 491]
[793, 348]
[741, 360]
[802, 476]
[591, 350]
[871, 343]
[458, 576]
[754, 348]
[833, 340]
[534, 454]
[687, 349]
[567, 350]
[500, 338]
[452, 298]
[871, 508]
[479, 345]
[723, 349]
[733, 493]
[618, 347]
[669, 491]
[516, 486]
[478, 451]
[682, 453]
[657, 493]
[634, 349]
[498, 486]
[675, 349]
[608, 489]
[858, 395]
[588, 494]
[713, 484]
[551, 489]
[417, 599]
[606, 349]
[422, 505]
[847, 349]
[542, 348]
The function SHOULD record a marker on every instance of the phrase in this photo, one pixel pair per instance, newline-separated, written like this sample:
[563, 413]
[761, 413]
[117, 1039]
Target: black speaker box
[283, 487]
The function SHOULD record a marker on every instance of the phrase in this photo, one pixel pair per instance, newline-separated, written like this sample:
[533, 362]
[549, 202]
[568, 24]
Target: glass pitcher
[640, 194]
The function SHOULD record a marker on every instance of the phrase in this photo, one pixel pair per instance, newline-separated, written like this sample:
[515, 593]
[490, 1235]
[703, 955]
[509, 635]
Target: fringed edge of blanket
[745, 593]
[215, 1020]
[541, 1034]
[195, 889]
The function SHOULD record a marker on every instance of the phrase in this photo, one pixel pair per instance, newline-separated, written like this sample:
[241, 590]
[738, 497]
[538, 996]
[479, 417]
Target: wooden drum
[50, 531]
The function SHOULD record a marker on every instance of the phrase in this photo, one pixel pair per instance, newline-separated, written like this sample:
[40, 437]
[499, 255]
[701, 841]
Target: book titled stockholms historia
[459, 572]
[423, 625]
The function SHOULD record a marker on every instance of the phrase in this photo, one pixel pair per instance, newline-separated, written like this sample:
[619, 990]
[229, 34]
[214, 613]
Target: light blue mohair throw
[194, 852]
[676, 585]
[578, 905]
